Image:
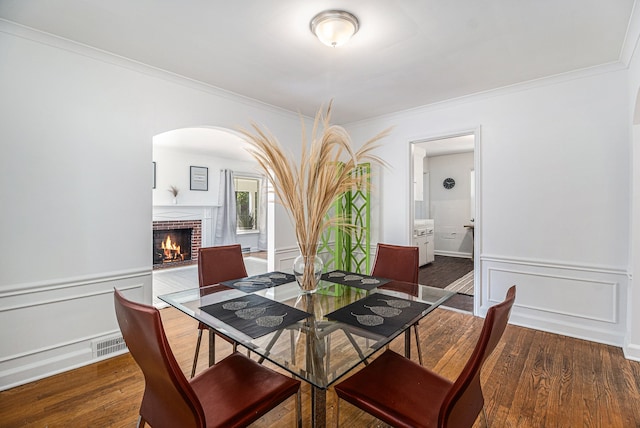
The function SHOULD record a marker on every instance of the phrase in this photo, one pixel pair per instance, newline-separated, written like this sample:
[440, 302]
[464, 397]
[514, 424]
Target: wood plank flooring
[533, 379]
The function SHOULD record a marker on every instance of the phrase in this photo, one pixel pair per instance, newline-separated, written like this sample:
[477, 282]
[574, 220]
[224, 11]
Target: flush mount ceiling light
[334, 27]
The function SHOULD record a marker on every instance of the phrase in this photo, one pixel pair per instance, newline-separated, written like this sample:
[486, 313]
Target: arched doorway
[189, 165]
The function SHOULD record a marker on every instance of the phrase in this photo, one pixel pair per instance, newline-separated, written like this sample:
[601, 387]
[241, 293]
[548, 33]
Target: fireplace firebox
[171, 245]
[175, 243]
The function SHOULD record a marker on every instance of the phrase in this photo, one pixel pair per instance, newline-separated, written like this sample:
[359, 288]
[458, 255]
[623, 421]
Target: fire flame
[170, 248]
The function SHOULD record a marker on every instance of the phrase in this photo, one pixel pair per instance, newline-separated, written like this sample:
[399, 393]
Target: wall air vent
[108, 345]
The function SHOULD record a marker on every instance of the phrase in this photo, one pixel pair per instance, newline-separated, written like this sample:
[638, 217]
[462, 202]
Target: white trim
[495, 92]
[631, 36]
[556, 265]
[566, 328]
[631, 352]
[52, 357]
[604, 321]
[78, 281]
[42, 37]
[612, 319]
[476, 131]
[453, 254]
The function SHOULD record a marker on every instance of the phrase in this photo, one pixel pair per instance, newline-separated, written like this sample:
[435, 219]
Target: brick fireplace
[176, 243]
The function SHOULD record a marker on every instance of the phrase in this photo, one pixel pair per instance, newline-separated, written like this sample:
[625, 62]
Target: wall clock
[448, 183]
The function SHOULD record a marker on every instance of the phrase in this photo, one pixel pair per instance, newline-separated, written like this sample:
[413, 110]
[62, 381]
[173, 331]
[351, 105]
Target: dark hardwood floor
[442, 272]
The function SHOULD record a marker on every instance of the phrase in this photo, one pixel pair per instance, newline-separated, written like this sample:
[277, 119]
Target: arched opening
[191, 209]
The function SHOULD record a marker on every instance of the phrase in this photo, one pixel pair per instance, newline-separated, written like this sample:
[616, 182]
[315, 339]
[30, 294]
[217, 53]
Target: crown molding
[48, 39]
[632, 35]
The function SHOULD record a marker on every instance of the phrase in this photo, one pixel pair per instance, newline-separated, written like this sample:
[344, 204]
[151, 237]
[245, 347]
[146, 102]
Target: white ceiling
[448, 146]
[407, 53]
[207, 141]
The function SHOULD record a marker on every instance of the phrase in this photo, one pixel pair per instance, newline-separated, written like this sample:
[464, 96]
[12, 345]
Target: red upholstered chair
[215, 265]
[398, 263]
[235, 392]
[405, 394]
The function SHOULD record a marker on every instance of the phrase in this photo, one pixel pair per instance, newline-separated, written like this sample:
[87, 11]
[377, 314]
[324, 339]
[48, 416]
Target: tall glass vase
[307, 269]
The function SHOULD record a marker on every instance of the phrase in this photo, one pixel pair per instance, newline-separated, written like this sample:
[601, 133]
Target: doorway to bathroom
[444, 190]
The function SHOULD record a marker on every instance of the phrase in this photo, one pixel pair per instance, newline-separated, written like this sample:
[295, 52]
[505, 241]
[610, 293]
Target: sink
[423, 223]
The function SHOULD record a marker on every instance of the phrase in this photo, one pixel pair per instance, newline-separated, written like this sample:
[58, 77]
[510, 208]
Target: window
[247, 203]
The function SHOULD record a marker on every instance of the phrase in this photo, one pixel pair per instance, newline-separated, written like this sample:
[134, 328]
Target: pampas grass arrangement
[308, 189]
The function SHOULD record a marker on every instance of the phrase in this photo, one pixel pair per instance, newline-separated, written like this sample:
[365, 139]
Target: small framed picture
[199, 178]
[154, 175]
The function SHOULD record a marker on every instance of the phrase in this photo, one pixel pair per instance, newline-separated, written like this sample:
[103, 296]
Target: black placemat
[255, 315]
[379, 313]
[351, 279]
[259, 282]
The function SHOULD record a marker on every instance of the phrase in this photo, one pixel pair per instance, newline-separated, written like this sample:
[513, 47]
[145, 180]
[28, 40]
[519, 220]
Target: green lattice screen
[349, 249]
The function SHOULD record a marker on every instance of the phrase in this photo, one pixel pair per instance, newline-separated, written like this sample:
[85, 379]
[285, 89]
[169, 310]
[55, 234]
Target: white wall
[76, 129]
[632, 342]
[552, 172]
[450, 208]
[173, 169]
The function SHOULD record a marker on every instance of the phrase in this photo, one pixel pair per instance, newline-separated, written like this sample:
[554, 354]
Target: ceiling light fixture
[334, 27]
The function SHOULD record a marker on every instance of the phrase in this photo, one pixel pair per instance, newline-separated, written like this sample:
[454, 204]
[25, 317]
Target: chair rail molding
[60, 342]
[578, 300]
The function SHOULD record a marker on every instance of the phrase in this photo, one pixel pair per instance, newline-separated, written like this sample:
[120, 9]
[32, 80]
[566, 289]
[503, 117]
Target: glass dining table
[316, 337]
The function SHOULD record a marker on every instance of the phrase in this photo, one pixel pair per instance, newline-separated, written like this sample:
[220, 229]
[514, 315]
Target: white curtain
[226, 222]
[262, 215]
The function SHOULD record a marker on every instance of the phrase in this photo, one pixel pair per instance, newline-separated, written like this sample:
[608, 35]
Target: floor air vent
[108, 346]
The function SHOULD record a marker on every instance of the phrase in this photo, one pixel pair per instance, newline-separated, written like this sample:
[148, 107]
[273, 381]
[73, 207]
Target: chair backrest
[222, 263]
[396, 262]
[168, 398]
[463, 403]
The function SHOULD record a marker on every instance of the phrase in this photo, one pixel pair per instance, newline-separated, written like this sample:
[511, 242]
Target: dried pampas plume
[327, 168]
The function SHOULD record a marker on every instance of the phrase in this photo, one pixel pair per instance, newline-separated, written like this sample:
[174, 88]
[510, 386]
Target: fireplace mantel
[185, 206]
[204, 213]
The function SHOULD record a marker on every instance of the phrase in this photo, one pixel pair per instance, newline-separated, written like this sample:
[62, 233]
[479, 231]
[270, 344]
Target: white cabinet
[430, 256]
[421, 243]
[423, 239]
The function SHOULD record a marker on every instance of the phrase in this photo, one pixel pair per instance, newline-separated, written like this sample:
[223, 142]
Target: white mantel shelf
[177, 212]
[186, 206]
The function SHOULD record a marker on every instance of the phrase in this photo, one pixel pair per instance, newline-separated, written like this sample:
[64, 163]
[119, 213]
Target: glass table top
[318, 337]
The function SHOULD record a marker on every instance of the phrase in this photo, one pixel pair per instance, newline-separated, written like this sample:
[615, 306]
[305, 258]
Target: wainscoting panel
[586, 302]
[50, 328]
[284, 257]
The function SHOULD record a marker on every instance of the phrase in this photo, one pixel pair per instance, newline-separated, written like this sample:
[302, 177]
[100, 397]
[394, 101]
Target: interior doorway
[189, 165]
[445, 195]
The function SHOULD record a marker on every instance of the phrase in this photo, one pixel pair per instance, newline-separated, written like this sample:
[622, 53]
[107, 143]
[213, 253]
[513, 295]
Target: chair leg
[337, 412]
[141, 422]
[415, 329]
[195, 357]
